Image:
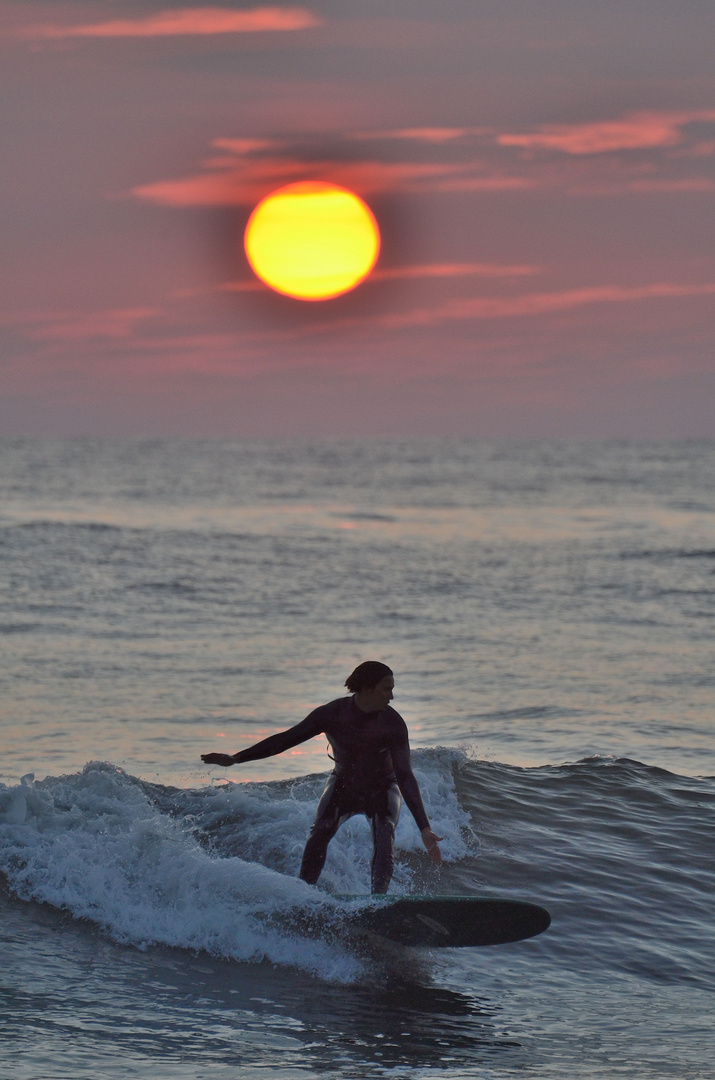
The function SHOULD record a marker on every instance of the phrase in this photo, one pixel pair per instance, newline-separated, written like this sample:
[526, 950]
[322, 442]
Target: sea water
[548, 611]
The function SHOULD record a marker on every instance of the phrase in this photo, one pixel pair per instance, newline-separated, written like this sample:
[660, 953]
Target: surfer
[372, 773]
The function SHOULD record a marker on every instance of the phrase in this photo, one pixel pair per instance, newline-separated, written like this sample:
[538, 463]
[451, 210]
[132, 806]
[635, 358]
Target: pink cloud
[193, 21]
[424, 134]
[706, 148]
[540, 303]
[635, 131]
[453, 270]
[243, 286]
[207, 190]
[70, 326]
[241, 147]
[429, 270]
[245, 181]
[641, 179]
[496, 182]
[483, 308]
[656, 186]
[244, 170]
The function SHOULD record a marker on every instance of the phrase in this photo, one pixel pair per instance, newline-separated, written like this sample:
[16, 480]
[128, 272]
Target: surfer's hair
[366, 676]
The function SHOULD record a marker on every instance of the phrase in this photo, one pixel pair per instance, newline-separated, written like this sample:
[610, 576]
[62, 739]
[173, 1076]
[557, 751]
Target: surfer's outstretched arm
[274, 744]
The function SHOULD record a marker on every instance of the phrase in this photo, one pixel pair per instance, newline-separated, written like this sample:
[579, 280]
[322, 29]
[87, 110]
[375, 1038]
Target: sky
[543, 175]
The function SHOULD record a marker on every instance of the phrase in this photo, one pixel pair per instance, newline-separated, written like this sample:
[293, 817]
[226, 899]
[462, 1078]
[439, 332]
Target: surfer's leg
[384, 821]
[329, 816]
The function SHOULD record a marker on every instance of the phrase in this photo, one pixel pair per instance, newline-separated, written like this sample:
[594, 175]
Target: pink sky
[543, 176]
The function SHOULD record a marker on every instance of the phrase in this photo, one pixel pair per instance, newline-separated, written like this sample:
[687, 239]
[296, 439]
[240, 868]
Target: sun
[312, 240]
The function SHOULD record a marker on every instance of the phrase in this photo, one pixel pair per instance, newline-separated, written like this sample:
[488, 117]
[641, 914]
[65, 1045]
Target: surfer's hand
[431, 842]
[218, 759]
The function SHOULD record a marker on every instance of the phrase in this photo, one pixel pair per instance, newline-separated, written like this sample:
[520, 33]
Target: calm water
[548, 611]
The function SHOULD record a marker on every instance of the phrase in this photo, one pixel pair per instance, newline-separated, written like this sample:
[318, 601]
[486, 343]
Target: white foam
[96, 844]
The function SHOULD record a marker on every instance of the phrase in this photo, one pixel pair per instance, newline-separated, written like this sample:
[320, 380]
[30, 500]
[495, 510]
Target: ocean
[547, 608]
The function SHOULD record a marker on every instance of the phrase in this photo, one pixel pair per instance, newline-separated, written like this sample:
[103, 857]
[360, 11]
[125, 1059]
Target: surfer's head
[372, 683]
[366, 676]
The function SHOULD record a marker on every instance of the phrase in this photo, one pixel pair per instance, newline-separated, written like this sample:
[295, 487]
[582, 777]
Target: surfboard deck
[449, 921]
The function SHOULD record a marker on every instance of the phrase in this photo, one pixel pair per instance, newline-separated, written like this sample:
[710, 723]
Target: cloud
[426, 270]
[660, 186]
[636, 131]
[528, 305]
[539, 303]
[245, 180]
[244, 170]
[495, 182]
[252, 285]
[436, 135]
[244, 146]
[188, 21]
[706, 148]
[442, 270]
[71, 326]
[242, 179]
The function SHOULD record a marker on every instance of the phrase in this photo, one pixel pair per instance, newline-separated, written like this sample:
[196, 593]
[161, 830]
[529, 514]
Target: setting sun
[312, 240]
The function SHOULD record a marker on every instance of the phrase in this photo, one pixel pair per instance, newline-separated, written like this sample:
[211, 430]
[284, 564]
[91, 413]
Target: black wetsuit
[372, 766]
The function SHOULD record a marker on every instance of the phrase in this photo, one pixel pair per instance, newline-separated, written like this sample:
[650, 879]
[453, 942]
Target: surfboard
[449, 921]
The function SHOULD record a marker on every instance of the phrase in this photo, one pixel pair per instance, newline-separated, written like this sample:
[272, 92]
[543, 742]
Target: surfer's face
[380, 696]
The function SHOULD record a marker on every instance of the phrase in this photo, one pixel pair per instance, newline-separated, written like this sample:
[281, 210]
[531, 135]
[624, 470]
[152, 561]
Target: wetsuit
[372, 767]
